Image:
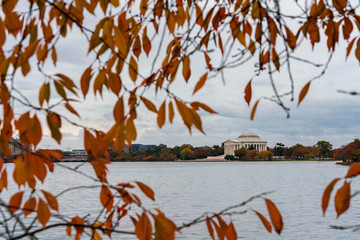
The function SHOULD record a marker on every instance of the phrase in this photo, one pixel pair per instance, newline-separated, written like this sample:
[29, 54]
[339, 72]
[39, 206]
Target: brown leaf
[119, 110]
[275, 216]
[253, 110]
[327, 193]
[186, 68]
[137, 47]
[44, 93]
[71, 109]
[248, 92]
[15, 201]
[303, 92]
[290, 38]
[342, 199]
[349, 47]
[143, 227]
[161, 115]
[85, 81]
[266, 223]
[149, 105]
[164, 227]
[171, 112]
[43, 212]
[200, 83]
[133, 69]
[146, 190]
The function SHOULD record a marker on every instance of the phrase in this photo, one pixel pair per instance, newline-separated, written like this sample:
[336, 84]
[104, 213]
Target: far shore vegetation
[322, 150]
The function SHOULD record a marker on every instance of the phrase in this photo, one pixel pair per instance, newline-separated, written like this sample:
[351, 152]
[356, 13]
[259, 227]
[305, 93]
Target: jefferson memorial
[245, 140]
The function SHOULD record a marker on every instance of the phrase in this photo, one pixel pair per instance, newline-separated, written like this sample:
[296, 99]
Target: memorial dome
[249, 136]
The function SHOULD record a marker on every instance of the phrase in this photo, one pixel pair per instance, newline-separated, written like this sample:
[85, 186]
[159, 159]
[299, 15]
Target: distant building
[138, 147]
[17, 147]
[245, 140]
[78, 152]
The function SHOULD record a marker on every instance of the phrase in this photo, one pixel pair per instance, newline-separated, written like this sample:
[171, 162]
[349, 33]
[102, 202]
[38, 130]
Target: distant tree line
[349, 152]
[162, 152]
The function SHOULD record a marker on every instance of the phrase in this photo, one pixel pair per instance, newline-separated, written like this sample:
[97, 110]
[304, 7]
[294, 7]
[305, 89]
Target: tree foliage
[174, 35]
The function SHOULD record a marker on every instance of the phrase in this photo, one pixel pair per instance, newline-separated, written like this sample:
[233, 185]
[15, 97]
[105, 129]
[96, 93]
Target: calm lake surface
[185, 190]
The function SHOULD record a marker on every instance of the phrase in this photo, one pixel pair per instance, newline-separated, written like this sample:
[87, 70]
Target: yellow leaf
[146, 190]
[327, 193]
[43, 213]
[342, 199]
[15, 201]
[200, 83]
[161, 115]
[303, 92]
[275, 216]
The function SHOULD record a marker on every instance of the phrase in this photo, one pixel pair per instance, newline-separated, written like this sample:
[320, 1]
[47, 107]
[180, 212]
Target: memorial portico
[245, 140]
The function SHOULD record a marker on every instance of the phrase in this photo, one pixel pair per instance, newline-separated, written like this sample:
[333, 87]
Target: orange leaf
[248, 93]
[342, 199]
[164, 227]
[219, 231]
[231, 232]
[51, 199]
[43, 212]
[349, 47]
[186, 68]
[106, 198]
[253, 110]
[29, 206]
[266, 223]
[149, 105]
[4, 178]
[303, 92]
[85, 81]
[290, 38]
[71, 109]
[80, 221]
[161, 115]
[68, 230]
[275, 216]
[200, 83]
[19, 173]
[357, 50]
[327, 193]
[143, 227]
[133, 69]
[15, 201]
[210, 229]
[146, 190]
[146, 43]
[354, 170]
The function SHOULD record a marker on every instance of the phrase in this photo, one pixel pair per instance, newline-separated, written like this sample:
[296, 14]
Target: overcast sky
[325, 114]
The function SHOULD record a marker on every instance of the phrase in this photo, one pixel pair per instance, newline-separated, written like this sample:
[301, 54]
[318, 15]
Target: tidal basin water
[184, 190]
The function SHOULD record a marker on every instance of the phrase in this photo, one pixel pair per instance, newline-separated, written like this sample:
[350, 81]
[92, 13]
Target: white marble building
[245, 140]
